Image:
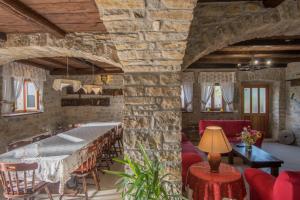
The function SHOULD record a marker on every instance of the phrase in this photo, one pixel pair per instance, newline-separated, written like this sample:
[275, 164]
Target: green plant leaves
[145, 180]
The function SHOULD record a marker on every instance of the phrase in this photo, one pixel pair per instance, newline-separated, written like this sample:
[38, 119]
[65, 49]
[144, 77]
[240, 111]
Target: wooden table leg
[230, 158]
[275, 171]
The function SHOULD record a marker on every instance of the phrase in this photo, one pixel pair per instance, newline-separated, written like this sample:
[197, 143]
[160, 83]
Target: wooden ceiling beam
[21, 10]
[249, 56]
[87, 63]
[272, 3]
[58, 63]
[226, 65]
[34, 64]
[268, 48]
[244, 60]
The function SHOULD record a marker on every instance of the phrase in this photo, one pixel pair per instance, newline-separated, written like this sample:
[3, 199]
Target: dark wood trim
[21, 10]
[262, 48]
[272, 3]
[3, 37]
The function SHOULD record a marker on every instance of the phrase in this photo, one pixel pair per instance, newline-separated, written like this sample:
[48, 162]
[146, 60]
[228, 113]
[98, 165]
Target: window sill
[21, 114]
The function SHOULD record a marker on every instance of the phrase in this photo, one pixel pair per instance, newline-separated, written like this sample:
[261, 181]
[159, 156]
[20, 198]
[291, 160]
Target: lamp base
[214, 160]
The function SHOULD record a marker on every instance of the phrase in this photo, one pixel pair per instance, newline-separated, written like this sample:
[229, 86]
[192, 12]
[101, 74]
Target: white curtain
[228, 94]
[7, 96]
[187, 89]
[206, 92]
[39, 85]
[18, 85]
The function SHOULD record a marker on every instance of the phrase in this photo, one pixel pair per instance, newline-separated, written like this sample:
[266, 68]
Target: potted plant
[144, 180]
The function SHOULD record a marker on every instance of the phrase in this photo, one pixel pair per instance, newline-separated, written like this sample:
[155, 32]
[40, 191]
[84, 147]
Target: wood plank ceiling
[25, 16]
[279, 50]
[58, 17]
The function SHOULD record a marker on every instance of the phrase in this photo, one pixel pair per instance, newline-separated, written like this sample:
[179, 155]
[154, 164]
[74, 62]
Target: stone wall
[273, 77]
[24, 126]
[293, 109]
[83, 114]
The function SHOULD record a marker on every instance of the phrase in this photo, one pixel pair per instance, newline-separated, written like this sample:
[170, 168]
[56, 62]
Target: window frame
[37, 99]
[212, 107]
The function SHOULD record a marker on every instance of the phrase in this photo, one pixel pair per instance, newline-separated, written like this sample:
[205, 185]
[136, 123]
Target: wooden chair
[19, 181]
[119, 140]
[15, 145]
[88, 168]
[40, 137]
[102, 156]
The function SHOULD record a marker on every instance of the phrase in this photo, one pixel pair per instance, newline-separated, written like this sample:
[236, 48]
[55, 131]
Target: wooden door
[255, 106]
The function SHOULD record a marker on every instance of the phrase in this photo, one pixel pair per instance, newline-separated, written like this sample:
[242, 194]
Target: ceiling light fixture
[254, 64]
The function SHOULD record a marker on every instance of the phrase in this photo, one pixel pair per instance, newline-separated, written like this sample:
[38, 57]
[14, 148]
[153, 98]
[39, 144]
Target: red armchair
[232, 128]
[189, 156]
[263, 186]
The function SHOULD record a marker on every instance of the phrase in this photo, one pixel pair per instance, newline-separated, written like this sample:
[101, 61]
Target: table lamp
[214, 142]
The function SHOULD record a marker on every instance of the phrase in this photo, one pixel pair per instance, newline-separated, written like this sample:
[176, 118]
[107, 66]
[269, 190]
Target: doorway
[255, 106]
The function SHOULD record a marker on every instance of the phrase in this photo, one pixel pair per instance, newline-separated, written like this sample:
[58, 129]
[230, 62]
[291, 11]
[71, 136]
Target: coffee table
[256, 158]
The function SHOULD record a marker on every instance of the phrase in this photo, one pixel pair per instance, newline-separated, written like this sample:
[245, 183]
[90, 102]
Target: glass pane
[254, 100]
[218, 97]
[262, 100]
[20, 99]
[246, 100]
[31, 95]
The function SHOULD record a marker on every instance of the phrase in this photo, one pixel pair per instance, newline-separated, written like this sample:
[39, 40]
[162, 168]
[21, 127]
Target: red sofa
[189, 155]
[232, 128]
[263, 186]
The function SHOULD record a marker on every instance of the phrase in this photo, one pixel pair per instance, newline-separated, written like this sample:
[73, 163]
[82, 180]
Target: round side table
[228, 183]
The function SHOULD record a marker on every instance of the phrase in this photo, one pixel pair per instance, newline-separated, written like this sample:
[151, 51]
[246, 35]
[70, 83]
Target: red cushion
[188, 159]
[232, 128]
[264, 186]
[261, 184]
[287, 186]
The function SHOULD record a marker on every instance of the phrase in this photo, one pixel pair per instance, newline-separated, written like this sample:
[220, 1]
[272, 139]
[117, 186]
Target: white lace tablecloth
[59, 155]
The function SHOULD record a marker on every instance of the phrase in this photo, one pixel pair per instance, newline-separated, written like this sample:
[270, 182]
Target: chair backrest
[15, 145]
[90, 162]
[120, 133]
[18, 179]
[287, 186]
[40, 137]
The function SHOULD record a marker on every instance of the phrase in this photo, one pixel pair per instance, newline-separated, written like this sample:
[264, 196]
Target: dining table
[58, 156]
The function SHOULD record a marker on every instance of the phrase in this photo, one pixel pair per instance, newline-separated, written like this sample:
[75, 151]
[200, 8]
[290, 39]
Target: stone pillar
[150, 37]
[152, 117]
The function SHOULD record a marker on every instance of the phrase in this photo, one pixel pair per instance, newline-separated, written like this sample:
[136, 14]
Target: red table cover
[228, 183]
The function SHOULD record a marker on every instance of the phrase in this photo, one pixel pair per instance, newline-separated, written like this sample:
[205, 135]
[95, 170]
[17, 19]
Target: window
[28, 97]
[255, 100]
[216, 101]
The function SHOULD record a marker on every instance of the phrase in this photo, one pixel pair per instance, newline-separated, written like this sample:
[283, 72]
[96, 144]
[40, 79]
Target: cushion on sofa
[232, 128]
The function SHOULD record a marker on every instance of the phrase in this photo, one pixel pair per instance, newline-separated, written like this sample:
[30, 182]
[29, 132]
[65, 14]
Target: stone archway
[94, 46]
[217, 25]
